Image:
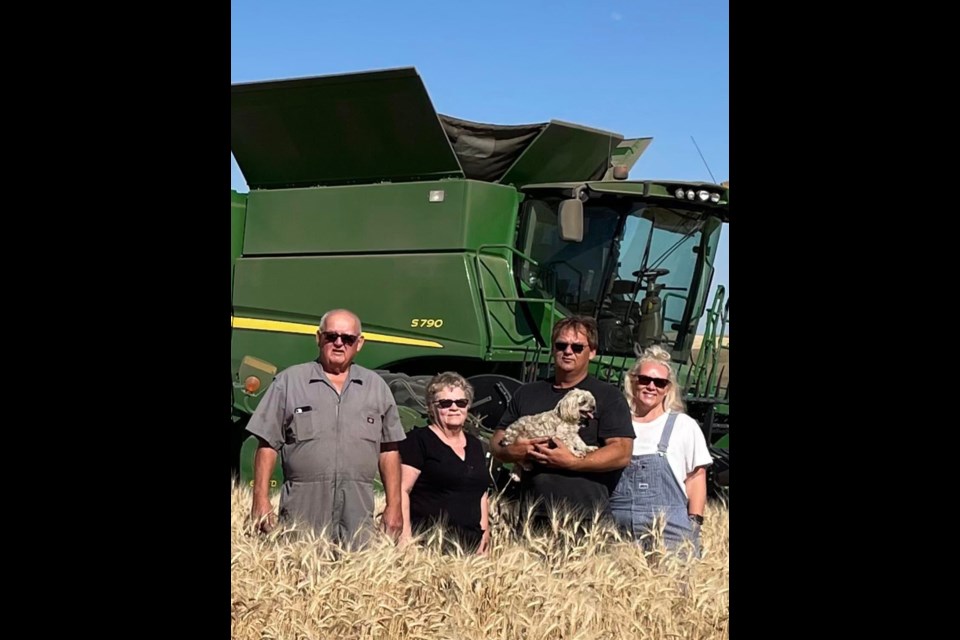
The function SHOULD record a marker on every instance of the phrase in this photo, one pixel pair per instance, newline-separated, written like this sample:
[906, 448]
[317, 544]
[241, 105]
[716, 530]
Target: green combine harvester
[459, 244]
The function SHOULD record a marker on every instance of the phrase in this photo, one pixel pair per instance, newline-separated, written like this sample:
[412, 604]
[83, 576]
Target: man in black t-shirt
[559, 479]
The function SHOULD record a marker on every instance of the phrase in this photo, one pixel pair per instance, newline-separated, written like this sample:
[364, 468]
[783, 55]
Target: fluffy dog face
[576, 405]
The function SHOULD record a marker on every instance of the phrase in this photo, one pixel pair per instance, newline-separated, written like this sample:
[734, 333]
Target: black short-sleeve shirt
[585, 490]
[448, 487]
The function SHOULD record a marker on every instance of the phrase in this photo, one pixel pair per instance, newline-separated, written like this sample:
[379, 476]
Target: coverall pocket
[306, 426]
[370, 428]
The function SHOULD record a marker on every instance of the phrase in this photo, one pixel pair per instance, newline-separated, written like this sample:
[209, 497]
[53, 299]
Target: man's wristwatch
[696, 518]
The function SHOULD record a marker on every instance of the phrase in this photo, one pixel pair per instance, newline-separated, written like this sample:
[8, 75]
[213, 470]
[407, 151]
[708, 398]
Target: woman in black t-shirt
[444, 475]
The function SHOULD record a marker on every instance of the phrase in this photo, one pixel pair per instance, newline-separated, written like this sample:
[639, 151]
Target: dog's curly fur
[561, 423]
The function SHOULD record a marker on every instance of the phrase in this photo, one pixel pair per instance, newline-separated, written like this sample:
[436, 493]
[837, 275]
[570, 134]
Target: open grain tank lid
[381, 126]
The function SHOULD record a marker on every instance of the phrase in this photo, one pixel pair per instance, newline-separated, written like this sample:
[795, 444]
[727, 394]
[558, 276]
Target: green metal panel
[280, 349]
[412, 307]
[564, 152]
[237, 217]
[248, 454]
[401, 297]
[348, 128]
[380, 218]
[491, 215]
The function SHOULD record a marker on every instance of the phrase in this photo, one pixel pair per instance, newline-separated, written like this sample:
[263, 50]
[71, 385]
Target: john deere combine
[459, 244]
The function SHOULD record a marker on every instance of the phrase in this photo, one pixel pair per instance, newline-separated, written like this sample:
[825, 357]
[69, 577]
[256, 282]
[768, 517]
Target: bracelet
[696, 518]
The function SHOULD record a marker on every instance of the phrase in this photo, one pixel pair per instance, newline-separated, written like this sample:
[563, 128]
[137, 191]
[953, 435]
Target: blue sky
[641, 68]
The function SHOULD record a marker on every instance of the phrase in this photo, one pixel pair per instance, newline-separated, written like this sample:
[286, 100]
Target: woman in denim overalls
[666, 478]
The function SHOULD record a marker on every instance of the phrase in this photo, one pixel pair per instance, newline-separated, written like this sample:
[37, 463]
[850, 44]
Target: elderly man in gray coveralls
[332, 422]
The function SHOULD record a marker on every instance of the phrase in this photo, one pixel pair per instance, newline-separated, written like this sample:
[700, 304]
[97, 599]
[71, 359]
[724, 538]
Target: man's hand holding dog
[522, 449]
[559, 457]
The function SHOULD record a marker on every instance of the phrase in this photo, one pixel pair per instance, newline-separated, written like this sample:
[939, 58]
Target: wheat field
[291, 584]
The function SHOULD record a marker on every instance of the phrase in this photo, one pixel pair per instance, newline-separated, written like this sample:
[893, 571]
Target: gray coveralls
[648, 489]
[329, 445]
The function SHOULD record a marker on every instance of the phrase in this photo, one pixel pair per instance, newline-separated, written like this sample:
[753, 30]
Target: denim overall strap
[667, 432]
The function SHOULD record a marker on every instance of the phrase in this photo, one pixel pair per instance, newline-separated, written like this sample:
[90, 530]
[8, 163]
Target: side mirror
[571, 220]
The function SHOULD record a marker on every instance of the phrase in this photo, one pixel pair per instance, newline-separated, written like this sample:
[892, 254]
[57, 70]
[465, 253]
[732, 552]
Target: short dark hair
[586, 324]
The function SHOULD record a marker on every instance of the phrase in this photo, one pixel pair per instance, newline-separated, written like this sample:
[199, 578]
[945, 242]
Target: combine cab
[459, 244]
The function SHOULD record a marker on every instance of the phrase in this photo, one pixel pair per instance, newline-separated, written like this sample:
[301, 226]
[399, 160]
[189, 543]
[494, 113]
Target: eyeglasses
[575, 346]
[447, 403]
[659, 382]
[331, 336]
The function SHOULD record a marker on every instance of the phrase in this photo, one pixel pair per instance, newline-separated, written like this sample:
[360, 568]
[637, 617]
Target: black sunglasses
[660, 383]
[575, 346]
[331, 336]
[446, 404]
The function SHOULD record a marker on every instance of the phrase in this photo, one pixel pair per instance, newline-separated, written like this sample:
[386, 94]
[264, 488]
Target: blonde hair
[673, 400]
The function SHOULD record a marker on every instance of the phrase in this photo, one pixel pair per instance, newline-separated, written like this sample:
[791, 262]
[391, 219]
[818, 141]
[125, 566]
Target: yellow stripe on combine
[256, 324]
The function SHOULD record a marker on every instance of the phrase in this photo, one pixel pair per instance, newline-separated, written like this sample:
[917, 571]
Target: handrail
[549, 303]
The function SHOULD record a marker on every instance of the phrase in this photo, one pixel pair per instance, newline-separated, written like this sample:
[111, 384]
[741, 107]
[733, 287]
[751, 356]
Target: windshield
[630, 250]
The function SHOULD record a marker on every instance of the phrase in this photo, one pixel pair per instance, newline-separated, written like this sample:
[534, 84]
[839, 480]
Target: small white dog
[561, 423]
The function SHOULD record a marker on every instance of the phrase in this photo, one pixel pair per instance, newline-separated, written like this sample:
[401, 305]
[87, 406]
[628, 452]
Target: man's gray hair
[356, 318]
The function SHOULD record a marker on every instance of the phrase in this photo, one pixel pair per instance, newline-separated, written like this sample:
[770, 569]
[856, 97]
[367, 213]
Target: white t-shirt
[686, 450]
